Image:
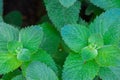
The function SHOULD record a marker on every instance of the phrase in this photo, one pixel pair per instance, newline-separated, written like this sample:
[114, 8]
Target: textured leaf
[14, 47]
[67, 3]
[102, 23]
[106, 4]
[51, 37]
[43, 57]
[24, 55]
[96, 40]
[18, 77]
[76, 69]
[60, 15]
[110, 73]
[88, 53]
[1, 7]
[75, 36]
[40, 71]
[112, 36]
[7, 33]
[31, 37]
[8, 63]
[108, 56]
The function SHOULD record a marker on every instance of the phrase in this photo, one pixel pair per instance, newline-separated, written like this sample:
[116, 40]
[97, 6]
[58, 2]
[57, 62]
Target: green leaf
[43, 57]
[8, 63]
[40, 71]
[106, 4]
[96, 40]
[76, 69]
[67, 3]
[88, 53]
[24, 55]
[108, 56]
[14, 18]
[102, 23]
[51, 37]
[110, 73]
[112, 36]
[7, 33]
[14, 47]
[75, 36]
[1, 7]
[19, 77]
[31, 37]
[60, 15]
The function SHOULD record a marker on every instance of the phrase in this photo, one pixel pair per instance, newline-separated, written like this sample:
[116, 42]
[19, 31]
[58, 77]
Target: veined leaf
[31, 37]
[8, 63]
[60, 15]
[102, 23]
[106, 4]
[75, 36]
[7, 33]
[40, 71]
[110, 73]
[67, 3]
[76, 69]
[108, 56]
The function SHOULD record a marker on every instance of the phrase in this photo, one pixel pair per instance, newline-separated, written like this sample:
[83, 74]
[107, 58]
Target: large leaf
[7, 33]
[8, 63]
[75, 36]
[31, 37]
[60, 15]
[67, 3]
[108, 56]
[111, 18]
[43, 57]
[40, 71]
[76, 69]
[106, 4]
[51, 37]
[110, 73]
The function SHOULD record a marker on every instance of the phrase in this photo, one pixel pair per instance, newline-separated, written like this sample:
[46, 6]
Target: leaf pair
[94, 47]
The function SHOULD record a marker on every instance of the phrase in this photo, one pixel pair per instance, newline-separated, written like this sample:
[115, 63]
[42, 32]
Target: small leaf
[67, 3]
[31, 37]
[8, 63]
[96, 40]
[14, 47]
[76, 69]
[110, 73]
[88, 53]
[40, 71]
[24, 55]
[1, 7]
[75, 36]
[108, 56]
[19, 77]
[7, 33]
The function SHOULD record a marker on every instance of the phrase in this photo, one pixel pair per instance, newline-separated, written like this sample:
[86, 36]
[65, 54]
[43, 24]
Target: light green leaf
[108, 56]
[51, 37]
[106, 4]
[31, 37]
[67, 3]
[43, 57]
[8, 63]
[111, 18]
[88, 53]
[96, 40]
[19, 77]
[110, 73]
[75, 36]
[24, 55]
[7, 33]
[40, 71]
[60, 15]
[76, 69]
[14, 47]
